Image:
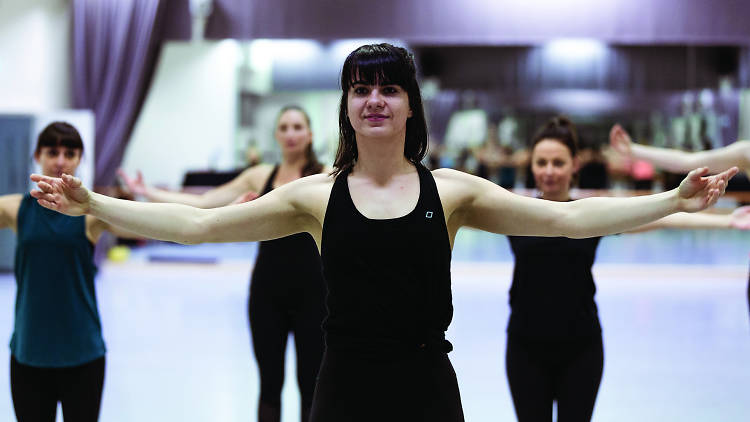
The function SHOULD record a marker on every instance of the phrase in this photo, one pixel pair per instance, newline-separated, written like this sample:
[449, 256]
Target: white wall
[35, 55]
[189, 118]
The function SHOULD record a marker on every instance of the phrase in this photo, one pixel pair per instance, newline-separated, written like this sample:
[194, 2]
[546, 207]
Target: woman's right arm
[9, 205]
[287, 210]
[717, 160]
[248, 180]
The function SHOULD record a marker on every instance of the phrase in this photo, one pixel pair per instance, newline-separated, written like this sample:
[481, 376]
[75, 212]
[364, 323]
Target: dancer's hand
[135, 186]
[698, 191]
[740, 218]
[63, 194]
[246, 197]
[619, 140]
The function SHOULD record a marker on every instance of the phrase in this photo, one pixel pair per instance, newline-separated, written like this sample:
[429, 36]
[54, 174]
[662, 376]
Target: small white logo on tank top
[428, 215]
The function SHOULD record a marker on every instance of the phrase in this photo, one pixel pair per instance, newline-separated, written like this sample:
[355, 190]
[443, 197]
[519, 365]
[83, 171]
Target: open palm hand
[698, 191]
[63, 194]
[619, 140]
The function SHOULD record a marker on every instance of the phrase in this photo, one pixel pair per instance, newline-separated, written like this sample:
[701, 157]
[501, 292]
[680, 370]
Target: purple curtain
[115, 45]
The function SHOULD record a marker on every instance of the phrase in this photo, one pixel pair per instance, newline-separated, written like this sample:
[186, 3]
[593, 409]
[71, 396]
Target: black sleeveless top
[295, 254]
[552, 295]
[388, 280]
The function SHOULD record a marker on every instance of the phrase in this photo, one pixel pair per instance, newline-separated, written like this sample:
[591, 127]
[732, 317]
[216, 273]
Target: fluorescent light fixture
[572, 50]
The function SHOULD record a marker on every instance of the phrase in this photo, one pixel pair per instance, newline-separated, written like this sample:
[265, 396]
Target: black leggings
[419, 387]
[278, 306]
[36, 391]
[540, 372]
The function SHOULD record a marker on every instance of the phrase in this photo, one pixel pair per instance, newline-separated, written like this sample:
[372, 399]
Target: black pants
[540, 372]
[278, 306]
[418, 387]
[36, 391]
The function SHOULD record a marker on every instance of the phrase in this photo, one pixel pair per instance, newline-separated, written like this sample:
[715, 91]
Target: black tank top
[389, 285]
[296, 254]
[552, 295]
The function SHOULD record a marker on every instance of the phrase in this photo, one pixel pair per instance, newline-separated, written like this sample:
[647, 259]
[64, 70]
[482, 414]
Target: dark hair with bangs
[381, 64]
[59, 134]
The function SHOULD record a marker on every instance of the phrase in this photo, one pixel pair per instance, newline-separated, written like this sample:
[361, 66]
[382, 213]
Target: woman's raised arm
[216, 197]
[483, 205]
[287, 210]
[735, 154]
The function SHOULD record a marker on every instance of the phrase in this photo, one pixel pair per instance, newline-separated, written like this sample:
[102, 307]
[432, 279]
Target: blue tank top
[56, 319]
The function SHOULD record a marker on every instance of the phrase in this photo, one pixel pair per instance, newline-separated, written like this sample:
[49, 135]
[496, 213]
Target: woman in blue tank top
[554, 352]
[57, 350]
[287, 291]
[385, 226]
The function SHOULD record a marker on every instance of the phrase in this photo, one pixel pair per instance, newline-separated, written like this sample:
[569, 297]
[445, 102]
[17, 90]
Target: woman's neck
[293, 162]
[381, 159]
[562, 196]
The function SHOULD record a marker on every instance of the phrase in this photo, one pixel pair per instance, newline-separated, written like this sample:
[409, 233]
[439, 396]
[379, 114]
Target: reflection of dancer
[57, 350]
[735, 154]
[554, 351]
[385, 226]
[287, 291]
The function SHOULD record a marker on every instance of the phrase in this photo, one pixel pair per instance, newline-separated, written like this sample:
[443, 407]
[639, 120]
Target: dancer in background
[735, 154]
[385, 226]
[554, 351]
[287, 291]
[57, 350]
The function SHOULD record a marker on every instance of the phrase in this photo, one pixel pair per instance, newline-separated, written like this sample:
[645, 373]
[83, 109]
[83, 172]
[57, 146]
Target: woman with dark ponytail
[287, 291]
[554, 351]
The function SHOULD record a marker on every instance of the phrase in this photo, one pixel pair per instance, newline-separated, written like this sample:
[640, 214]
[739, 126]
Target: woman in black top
[554, 351]
[385, 227]
[287, 292]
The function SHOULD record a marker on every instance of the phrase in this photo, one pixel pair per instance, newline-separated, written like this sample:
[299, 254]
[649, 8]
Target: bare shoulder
[454, 182]
[9, 205]
[255, 177]
[309, 194]
[94, 228]
[458, 189]
[313, 185]
[13, 200]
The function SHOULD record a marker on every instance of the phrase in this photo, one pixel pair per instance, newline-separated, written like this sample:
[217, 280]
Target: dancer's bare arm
[96, 227]
[736, 154]
[474, 202]
[249, 180]
[295, 207]
[9, 205]
[738, 219]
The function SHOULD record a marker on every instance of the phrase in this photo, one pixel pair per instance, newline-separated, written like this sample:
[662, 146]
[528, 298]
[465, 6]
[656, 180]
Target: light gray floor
[673, 307]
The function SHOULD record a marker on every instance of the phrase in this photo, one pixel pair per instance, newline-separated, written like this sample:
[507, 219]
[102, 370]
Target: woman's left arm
[481, 204]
